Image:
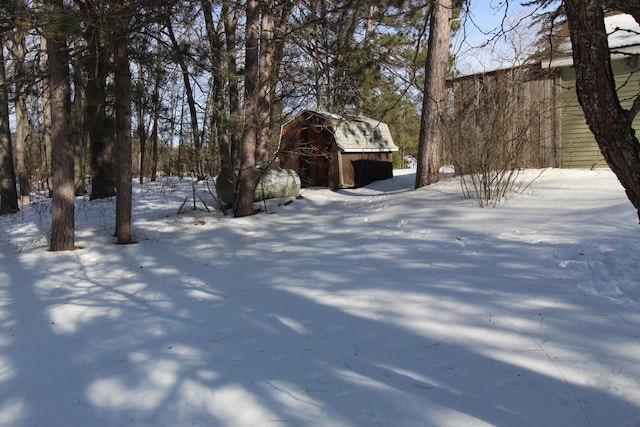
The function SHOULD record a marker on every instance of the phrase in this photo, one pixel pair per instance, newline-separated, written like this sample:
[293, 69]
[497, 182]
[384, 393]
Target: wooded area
[101, 90]
[151, 88]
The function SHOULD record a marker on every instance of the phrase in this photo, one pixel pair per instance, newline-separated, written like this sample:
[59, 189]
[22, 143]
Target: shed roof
[357, 134]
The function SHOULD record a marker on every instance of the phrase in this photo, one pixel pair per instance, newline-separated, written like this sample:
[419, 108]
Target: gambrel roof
[357, 134]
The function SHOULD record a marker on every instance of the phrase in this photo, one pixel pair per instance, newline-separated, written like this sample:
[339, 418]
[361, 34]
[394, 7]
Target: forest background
[102, 90]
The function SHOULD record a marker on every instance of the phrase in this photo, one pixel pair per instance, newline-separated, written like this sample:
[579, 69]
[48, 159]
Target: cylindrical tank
[276, 183]
[273, 183]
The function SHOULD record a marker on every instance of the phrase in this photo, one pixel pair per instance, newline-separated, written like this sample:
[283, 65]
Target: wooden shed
[336, 151]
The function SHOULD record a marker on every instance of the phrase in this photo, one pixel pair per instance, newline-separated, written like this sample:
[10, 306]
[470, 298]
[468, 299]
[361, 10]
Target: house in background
[579, 147]
[336, 151]
[546, 96]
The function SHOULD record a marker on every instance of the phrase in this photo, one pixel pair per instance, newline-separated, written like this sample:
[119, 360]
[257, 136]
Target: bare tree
[499, 123]
[180, 57]
[435, 94]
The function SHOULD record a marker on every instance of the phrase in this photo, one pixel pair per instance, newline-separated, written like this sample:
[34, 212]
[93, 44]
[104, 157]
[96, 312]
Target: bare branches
[632, 7]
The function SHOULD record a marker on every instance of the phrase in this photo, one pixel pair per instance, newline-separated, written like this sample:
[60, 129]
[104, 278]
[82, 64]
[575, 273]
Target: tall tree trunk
[141, 129]
[46, 148]
[21, 141]
[156, 105]
[22, 122]
[263, 90]
[230, 148]
[100, 126]
[154, 129]
[435, 94]
[78, 135]
[596, 88]
[122, 106]
[142, 138]
[217, 91]
[8, 190]
[62, 205]
[247, 179]
[279, 37]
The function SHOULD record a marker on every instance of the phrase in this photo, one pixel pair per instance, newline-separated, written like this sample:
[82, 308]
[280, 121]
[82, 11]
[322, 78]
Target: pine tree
[435, 94]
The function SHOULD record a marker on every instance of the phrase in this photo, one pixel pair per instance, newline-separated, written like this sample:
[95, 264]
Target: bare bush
[501, 123]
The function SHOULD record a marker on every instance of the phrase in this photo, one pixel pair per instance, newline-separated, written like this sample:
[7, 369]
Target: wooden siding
[519, 106]
[308, 146]
[360, 169]
[580, 149]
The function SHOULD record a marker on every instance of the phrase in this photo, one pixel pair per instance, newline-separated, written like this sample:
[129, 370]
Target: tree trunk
[22, 122]
[263, 90]
[100, 127]
[596, 89]
[78, 136]
[141, 128]
[122, 106]
[156, 105]
[21, 140]
[282, 25]
[230, 149]
[46, 143]
[435, 94]
[8, 190]
[247, 179]
[62, 205]
[195, 130]
[217, 91]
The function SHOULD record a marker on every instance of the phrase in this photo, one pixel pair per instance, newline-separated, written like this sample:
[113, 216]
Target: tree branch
[632, 7]
[635, 108]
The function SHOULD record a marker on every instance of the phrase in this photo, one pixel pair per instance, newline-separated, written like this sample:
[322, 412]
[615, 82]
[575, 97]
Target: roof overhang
[616, 53]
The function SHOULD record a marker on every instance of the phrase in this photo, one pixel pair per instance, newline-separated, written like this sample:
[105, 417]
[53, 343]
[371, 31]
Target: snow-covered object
[273, 183]
[623, 38]
[277, 183]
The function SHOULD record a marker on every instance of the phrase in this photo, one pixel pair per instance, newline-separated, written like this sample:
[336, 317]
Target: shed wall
[308, 147]
[360, 169]
[503, 109]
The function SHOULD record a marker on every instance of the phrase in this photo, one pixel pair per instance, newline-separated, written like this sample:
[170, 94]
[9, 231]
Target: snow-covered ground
[380, 306]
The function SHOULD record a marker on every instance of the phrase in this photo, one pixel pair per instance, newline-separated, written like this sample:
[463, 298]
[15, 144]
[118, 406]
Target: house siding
[580, 149]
